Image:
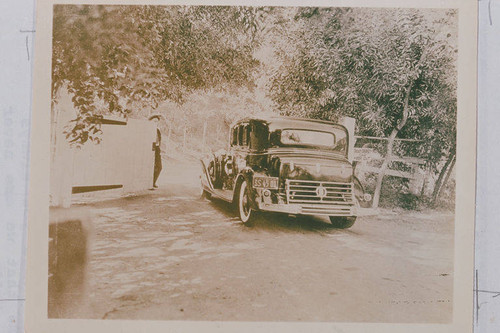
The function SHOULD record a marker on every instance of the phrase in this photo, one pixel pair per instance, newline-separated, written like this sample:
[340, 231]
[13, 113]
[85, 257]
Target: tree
[391, 69]
[118, 59]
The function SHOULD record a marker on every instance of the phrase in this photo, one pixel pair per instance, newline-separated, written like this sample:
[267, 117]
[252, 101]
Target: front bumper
[309, 209]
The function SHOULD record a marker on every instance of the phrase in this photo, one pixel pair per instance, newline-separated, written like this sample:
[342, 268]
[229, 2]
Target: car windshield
[335, 140]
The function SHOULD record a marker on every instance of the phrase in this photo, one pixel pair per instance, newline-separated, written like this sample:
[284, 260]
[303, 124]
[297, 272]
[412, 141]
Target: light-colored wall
[123, 157]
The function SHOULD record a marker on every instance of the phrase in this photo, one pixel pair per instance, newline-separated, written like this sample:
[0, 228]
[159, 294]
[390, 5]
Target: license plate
[265, 182]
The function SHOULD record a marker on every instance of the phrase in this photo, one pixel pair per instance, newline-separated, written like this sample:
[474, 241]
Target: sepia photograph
[278, 163]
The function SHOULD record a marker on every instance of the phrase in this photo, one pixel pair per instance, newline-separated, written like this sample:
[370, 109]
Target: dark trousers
[158, 166]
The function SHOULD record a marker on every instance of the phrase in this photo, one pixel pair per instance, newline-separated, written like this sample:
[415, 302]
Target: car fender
[205, 176]
[212, 169]
[364, 198]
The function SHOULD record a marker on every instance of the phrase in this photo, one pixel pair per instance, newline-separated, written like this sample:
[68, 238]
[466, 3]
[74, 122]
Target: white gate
[123, 160]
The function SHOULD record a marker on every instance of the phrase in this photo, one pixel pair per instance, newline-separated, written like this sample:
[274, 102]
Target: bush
[395, 194]
[409, 201]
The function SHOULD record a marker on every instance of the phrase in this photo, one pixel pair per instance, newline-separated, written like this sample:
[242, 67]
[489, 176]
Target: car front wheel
[342, 222]
[247, 214]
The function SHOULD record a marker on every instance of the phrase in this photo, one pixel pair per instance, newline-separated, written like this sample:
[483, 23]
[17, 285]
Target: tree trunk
[184, 140]
[390, 146]
[450, 169]
[168, 145]
[204, 136]
[383, 168]
[424, 182]
[441, 181]
[395, 131]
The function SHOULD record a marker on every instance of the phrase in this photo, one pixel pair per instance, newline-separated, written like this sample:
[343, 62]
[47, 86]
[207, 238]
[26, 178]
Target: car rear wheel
[247, 214]
[342, 222]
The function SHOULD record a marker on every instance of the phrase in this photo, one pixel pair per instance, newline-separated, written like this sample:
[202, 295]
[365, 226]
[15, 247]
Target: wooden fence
[368, 160]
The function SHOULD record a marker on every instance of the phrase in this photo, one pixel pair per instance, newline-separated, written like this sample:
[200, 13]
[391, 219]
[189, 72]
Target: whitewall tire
[245, 210]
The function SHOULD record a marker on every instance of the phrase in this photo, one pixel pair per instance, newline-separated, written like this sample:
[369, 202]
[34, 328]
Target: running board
[226, 195]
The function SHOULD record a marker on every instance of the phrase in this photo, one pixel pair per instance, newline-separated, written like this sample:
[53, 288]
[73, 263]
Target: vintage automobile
[286, 165]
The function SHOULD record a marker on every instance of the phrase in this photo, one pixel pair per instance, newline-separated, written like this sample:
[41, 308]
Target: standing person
[157, 150]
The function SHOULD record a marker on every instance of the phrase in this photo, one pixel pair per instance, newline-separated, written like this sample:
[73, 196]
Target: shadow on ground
[280, 222]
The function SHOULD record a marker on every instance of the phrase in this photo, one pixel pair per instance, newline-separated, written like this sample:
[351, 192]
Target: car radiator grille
[320, 197]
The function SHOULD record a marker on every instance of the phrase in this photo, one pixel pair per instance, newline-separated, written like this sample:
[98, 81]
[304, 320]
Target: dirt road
[170, 255]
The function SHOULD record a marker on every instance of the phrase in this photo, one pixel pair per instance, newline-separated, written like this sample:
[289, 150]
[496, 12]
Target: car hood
[317, 166]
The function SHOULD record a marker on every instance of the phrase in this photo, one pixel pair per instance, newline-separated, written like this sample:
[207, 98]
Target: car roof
[277, 122]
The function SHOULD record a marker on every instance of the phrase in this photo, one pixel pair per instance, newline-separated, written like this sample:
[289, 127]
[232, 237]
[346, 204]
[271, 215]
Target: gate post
[62, 159]
[350, 124]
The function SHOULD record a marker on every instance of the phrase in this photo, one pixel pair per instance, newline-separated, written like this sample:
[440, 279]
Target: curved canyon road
[169, 255]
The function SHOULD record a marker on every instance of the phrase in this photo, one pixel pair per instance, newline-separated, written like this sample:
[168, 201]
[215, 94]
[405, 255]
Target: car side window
[245, 136]
[240, 134]
[259, 136]
[234, 138]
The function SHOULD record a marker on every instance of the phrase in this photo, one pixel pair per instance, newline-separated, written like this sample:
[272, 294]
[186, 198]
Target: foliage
[117, 59]
[362, 62]
[202, 122]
